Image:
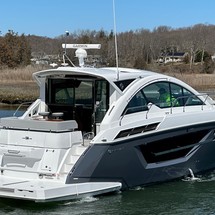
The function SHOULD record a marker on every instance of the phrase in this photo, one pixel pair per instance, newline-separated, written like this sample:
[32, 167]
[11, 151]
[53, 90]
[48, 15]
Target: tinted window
[191, 99]
[123, 84]
[159, 93]
[163, 94]
[137, 103]
[101, 99]
[70, 92]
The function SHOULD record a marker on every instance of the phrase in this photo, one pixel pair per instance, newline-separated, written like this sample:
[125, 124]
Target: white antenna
[116, 49]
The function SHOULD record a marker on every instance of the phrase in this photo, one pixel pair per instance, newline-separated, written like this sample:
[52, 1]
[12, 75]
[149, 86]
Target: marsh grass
[197, 81]
[18, 92]
[17, 85]
[19, 74]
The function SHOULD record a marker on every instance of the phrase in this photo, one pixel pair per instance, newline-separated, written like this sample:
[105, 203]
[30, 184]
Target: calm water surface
[178, 197]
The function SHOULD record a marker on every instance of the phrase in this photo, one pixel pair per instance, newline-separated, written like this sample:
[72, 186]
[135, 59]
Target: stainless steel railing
[181, 101]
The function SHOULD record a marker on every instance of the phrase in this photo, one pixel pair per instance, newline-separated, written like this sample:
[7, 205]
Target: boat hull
[146, 159]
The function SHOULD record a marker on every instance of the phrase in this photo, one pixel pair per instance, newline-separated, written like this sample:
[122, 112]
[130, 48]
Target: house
[175, 57]
[213, 57]
[44, 59]
[94, 60]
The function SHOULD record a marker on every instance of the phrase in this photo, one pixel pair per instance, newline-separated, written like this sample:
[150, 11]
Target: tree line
[14, 50]
[136, 48]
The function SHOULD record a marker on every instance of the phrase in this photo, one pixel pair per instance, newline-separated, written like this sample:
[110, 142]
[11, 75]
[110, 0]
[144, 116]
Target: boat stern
[46, 190]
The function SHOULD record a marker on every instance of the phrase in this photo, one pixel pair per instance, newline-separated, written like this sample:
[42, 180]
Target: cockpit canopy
[163, 94]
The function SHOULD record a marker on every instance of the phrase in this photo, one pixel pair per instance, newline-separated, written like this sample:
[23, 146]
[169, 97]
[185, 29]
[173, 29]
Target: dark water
[173, 198]
[177, 197]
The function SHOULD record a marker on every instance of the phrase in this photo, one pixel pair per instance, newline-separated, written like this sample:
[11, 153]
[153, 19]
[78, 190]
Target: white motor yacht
[98, 130]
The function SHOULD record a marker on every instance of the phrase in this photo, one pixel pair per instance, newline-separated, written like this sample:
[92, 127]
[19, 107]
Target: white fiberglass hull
[45, 190]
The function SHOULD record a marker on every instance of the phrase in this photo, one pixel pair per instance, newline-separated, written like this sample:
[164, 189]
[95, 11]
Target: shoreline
[16, 92]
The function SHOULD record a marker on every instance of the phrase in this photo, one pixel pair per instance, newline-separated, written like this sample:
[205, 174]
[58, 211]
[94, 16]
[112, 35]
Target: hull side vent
[137, 130]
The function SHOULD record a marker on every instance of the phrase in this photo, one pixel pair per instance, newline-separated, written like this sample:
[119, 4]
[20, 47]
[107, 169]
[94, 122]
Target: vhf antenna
[115, 36]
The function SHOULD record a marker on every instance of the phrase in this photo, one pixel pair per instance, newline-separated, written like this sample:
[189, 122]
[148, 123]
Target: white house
[172, 57]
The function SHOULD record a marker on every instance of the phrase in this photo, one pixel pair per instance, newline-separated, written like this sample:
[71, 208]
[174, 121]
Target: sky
[51, 18]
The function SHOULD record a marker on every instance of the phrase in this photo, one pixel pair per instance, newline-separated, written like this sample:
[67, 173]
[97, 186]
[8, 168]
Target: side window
[101, 99]
[151, 93]
[123, 83]
[162, 94]
[164, 97]
[166, 94]
[183, 96]
[177, 95]
[136, 104]
[159, 94]
[191, 99]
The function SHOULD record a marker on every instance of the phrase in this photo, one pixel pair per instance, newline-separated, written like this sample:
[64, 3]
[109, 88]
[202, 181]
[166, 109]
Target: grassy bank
[17, 85]
[16, 92]
[197, 81]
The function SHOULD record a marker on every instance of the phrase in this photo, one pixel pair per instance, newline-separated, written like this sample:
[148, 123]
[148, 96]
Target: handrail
[132, 108]
[188, 97]
[24, 103]
[28, 171]
[173, 104]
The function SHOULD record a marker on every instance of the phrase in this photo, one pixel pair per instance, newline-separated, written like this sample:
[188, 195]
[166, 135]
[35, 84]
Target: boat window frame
[73, 82]
[123, 84]
[87, 114]
[136, 99]
[176, 99]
